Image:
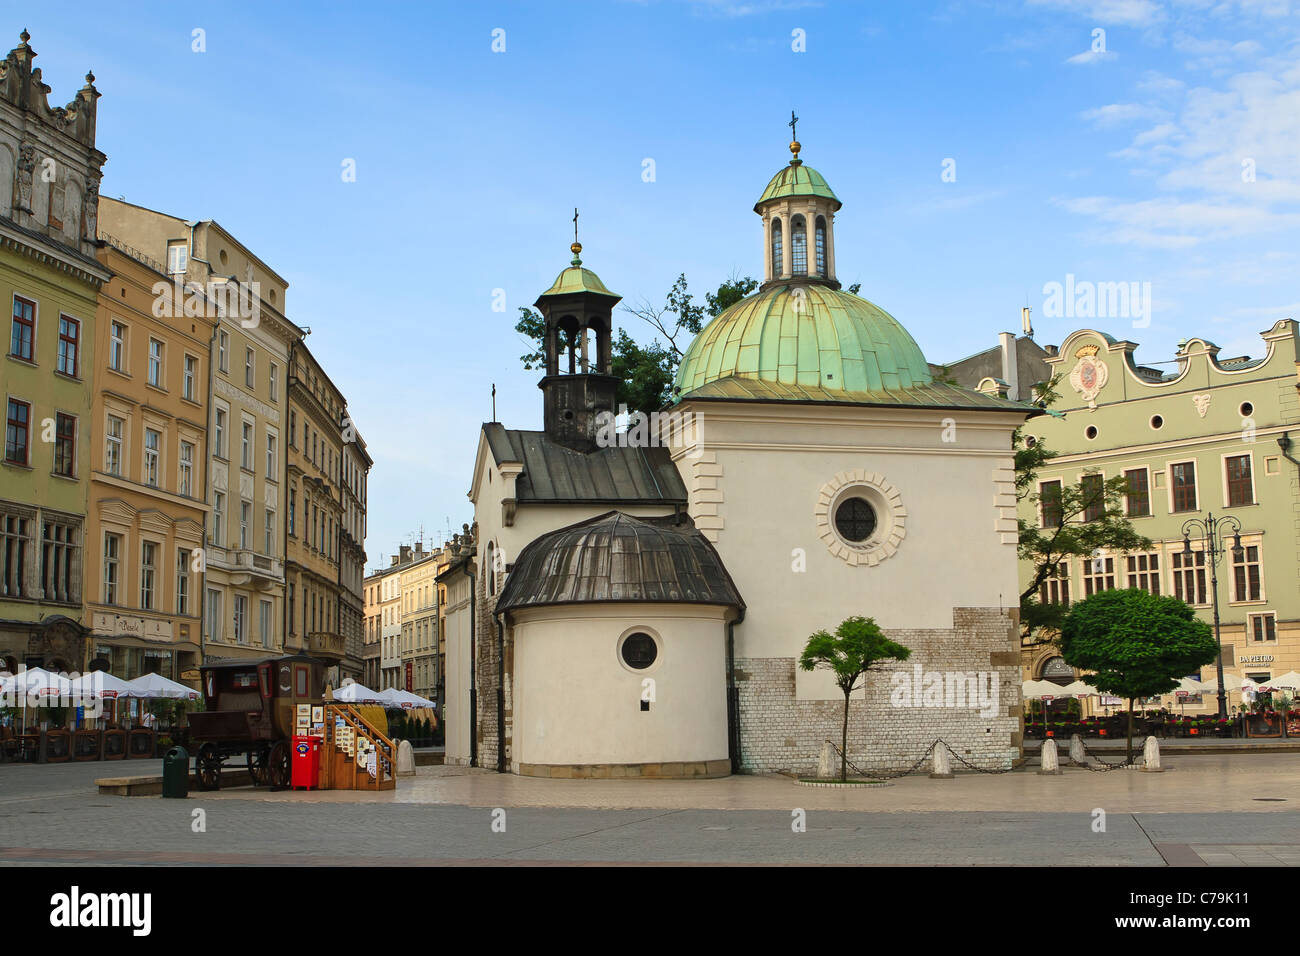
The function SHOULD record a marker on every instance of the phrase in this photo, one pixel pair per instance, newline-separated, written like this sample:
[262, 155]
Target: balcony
[326, 646]
[254, 569]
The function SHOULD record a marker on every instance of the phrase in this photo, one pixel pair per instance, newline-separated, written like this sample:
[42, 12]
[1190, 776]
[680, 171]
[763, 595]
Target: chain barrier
[893, 774]
[1105, 767]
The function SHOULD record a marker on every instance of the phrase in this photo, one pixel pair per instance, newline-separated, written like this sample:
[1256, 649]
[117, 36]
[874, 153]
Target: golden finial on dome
[794, 139]
[576, 247]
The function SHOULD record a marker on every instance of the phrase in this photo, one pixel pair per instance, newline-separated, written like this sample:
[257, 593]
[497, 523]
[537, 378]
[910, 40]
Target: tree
[857, 646]
[1084, 520]
[1136, 644]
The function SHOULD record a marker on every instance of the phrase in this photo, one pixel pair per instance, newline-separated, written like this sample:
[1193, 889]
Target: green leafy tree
[857, 647]
[1135, 644]
[1083, 520]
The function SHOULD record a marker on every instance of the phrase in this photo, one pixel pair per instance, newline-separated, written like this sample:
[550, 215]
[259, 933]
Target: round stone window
[855, 519]
[639, 650]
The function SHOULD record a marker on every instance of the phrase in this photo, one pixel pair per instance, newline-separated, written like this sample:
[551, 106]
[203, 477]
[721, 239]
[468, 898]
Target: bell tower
[578, 386]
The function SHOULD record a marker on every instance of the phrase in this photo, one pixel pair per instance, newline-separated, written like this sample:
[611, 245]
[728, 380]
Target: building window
[148, 568]
[270, 532]
[241, 619]
[250, 369]
[292, 509]
[215, 620]
[15, 551]
[155, 363]
[270, 457]
[191, 375]
[1138, 498]
[24, 329]
[855, 519]
[1189, 577]
[264, 622]
[18, 419]
[177, 258]
[275, 382]
[245, 520]
[778, 266]
[152, 443]
[59, 555]
[798, 246]
[1094, 497]
[223, 351]
[1182, 480]
[1098, 575]
[246, 445]
[218, 518]
[1263, 627]
[1241, 486]
[112, 556]
[1049, 499]
[182, 581]
[186, 473]
[293, 429]
[65, 445]
[1055, 588]
[116, 346]
[289, 596]
[1143, 572]
[113, 446]
[639, 650]
[220, 435]
[1245, 575]
[820, 239]
[69, 345]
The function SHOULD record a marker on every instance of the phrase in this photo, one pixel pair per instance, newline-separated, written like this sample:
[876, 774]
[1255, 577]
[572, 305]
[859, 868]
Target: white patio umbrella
[1230, 682]
[34, 682]
[1191, 685]
[355, 693]
[1041, 688]
[407, 699]
[100, 684]
[155, 685]
[1079, 689]
[1289, 680]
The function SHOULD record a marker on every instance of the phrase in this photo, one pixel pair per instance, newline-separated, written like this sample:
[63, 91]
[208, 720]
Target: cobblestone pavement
[1229, 810]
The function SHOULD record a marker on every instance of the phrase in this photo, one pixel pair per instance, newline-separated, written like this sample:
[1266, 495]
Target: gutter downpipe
[733, 696]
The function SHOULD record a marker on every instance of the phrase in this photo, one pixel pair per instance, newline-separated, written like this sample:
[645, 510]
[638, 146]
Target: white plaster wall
[576, 703]
[455, 714]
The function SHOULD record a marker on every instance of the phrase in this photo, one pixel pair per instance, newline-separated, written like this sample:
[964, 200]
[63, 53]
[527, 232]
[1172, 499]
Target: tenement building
[1206, 435]
[641, 598]
[243, 587]
[352, 552]
[49, 202]
[419, 640]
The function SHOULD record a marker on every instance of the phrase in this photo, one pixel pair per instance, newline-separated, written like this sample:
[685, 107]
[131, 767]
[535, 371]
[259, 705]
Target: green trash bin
[176, 773]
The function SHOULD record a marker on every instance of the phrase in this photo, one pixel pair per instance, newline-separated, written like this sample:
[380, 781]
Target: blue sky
[1122, 164]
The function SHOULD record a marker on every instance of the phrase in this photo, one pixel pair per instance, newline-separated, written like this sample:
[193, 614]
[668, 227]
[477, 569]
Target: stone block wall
[779, 732]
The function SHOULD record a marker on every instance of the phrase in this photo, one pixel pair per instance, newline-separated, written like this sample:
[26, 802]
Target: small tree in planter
[1138, 644]
[857, 646]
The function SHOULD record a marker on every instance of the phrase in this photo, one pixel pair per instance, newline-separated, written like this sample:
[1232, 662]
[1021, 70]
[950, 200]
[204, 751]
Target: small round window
[855, 519]
[1157, 421]
[639, 650]
[1090, 432]
[1246, 409]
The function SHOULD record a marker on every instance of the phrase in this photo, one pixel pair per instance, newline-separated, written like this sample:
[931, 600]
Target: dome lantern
[798, 209]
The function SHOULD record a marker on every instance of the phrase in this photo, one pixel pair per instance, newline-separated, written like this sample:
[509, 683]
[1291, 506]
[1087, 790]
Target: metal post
[1212, 529]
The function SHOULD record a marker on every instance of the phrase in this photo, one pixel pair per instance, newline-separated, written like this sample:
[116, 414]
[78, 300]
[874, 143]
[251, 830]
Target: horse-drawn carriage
[249, 709]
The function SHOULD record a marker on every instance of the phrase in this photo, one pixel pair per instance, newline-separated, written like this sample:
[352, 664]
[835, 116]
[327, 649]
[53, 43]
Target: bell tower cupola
[798, 209]
[578, 386]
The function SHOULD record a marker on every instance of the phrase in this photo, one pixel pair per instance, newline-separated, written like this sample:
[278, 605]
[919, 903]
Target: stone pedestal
[1151, 756]
[827, 765]
[1048, 760]
[405, 759]
[940, 768]
[1078, 756]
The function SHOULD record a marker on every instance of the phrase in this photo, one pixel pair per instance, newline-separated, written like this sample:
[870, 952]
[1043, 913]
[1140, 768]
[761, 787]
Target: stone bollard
[826, 764]
[405, 759]
[1078, 756]
[940, 768]
[1048, 761]
[1151, 756]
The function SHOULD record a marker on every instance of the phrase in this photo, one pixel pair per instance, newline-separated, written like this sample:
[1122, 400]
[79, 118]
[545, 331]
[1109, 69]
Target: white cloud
[1118, 114]
[1088, 57]
[1125, 12]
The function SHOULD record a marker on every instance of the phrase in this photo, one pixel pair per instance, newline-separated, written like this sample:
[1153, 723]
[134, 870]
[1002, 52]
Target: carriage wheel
[277, 765]
[208, 764]
[258, 764]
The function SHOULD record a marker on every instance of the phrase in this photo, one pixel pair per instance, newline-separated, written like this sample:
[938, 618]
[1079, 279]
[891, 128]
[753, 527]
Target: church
[637, 608]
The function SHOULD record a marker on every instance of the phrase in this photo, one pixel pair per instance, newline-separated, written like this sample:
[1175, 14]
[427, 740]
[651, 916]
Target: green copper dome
[807, 341]
[797, 180]
[577, 279]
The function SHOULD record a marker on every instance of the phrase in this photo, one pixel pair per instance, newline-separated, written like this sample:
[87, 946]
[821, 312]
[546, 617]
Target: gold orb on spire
[795, 147]
[576, 248]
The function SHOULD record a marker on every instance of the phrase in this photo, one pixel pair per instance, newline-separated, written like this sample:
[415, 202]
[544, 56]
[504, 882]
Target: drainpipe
[733, 696]
[501, 694]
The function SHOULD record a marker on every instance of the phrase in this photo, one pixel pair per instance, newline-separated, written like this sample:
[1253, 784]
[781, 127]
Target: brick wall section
[485, 637]
[778, 732]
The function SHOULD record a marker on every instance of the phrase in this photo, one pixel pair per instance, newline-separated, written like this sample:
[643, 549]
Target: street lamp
[1212, 531]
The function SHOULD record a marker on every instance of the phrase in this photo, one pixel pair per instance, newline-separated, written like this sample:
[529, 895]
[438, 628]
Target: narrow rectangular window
[270, 457]
[223, 351]
[155, 363]
[1245, 575]
[241, 619]
[220, 433]
[1241, 488]
[113, 446]
[112, 555]
[1189, 577]
[152, 444]
[218, 519]
[1049, 497]
[1094, 497]
[23, 335]
[215, 621]
[264, 621]
[275, 382]
[177, 258]
[191, 377]
[17, 426]
[246, 445]
[270, 532]
[1182, 478]
[182, 581]
[250, 374]
[1139, 493]
[148, 568]
[117, 346]
[245, 523]
[69, 345]
[186, 471]
[65, 444]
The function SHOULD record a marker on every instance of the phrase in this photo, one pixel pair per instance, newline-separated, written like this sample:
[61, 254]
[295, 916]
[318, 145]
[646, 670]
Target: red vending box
[306, 763]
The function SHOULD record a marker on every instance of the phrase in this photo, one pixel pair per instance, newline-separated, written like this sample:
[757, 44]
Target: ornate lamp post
[1212, 531]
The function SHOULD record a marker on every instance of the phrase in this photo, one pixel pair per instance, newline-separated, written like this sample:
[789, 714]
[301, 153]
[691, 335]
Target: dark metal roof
[616, 557]
[557, 473]
[939, 395]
